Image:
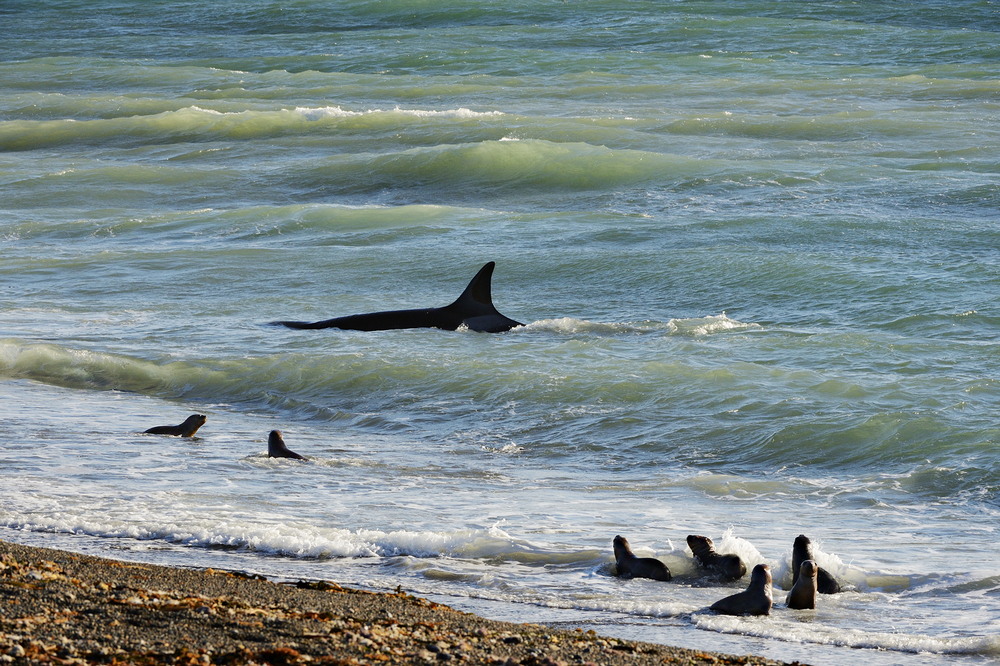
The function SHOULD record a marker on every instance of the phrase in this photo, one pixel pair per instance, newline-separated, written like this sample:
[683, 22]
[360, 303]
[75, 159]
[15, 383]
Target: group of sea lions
[276, 447]
[808, 579]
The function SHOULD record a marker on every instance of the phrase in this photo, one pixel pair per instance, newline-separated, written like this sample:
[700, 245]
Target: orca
[474, 309]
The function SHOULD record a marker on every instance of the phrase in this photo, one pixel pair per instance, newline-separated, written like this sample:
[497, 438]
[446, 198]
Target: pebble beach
[65, 608]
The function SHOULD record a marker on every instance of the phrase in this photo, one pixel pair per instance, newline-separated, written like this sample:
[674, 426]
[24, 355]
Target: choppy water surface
[756, 247]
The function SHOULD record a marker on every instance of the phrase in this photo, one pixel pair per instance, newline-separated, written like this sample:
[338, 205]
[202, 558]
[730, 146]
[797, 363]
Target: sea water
[755, 245]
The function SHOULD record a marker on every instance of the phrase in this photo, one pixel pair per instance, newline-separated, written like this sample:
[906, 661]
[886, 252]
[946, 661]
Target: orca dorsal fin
[478, 296]
[475, 309]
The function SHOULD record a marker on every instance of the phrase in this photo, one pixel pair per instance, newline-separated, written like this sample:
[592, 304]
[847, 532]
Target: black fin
[479, 292]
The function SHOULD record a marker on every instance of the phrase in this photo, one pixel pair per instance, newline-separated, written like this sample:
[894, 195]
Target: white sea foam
[319, 113]
[569, 325]
[787, 625]
[211, 112]
[698, 326]
[274, 538]
[709, 325]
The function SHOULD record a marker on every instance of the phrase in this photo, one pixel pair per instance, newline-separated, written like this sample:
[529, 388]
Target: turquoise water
[756, 246]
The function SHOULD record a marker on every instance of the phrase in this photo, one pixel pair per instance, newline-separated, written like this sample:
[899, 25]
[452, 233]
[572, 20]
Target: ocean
[755, 246]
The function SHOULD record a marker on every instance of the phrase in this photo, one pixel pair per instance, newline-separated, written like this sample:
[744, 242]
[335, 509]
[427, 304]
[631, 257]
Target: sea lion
[186, 429]
[730, 567]
[474, 309]
[755, 600]
[276, 447]
[630, 566]
[802, 551]
[803, 593]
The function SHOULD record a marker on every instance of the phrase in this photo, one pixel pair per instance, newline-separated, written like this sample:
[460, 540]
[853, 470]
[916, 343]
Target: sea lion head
[275, 443]
[809, 569]
[700, 545]
[622, 547]
[761, 577]
[191, 424]
[801, 551]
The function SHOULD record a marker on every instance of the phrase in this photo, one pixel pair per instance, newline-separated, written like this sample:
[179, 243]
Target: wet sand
[65, 608]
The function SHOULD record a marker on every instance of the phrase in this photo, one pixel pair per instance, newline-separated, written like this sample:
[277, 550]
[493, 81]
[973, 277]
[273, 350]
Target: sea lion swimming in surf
[803, 592]
[755, 600]
[729, 567]
[474, 309]
[631, 566]
[276, 447]
[186, 429]
[802, 551]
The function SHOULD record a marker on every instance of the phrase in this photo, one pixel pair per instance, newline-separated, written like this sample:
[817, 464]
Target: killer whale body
[474, 309]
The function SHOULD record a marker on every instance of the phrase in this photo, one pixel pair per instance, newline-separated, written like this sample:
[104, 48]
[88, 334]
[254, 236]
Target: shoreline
[62, 607]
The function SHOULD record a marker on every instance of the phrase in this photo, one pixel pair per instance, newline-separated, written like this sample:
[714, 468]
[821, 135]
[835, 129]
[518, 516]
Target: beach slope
[62, 607]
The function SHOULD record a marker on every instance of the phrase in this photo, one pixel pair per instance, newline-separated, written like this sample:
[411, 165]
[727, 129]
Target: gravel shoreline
[65, 608]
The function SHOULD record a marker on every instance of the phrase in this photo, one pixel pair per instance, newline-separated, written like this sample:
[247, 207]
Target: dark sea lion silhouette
[803, 592]
[730, 567]
[276, 447]
[474, 309]
[802, 551]
[755, 600]
[631, 566]
[186, 429]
